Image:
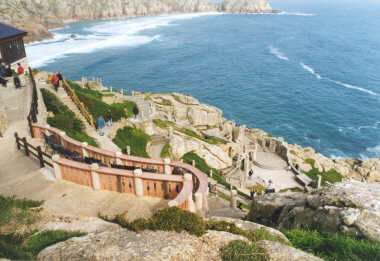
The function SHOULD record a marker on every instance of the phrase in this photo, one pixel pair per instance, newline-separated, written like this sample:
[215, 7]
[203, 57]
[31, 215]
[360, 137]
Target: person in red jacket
[55, 81]
[21, 72]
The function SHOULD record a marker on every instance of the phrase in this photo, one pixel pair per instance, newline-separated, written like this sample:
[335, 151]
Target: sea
[310, 74]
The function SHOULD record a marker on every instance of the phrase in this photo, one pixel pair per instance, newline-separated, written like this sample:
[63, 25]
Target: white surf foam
[350, 86]
[105, 34]
[374, 150]
[277, 53]
[311, 70]
[295, 13]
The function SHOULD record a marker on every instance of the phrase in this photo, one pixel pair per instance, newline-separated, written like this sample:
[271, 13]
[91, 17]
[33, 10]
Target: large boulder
[281, 252]
[126, 245]
[348, 207]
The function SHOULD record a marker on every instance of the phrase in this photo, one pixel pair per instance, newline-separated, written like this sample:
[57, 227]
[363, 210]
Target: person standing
[55, 81]
[60, 79]
[135, 111]
[109, 118]
[101, 124]
[21, 72]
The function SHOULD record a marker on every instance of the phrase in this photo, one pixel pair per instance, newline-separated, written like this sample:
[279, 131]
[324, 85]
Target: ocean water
[310, 74]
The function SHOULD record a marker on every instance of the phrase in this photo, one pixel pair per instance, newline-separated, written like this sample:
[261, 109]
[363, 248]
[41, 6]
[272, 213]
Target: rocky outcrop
[280, 252]
[348, 207]
[245, 6]
[148, 245]
[37, 17]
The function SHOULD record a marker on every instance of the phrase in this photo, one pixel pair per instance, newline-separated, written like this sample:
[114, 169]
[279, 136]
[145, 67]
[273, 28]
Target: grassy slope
[65, 119]
[96, 107]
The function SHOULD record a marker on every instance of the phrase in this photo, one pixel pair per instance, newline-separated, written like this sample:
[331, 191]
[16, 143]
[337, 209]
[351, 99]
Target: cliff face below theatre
[38, 16]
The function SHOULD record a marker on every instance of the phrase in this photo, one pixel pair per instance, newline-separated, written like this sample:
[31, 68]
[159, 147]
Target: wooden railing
[32, 116]
[196, 191]
[82, 108]
[30, 150]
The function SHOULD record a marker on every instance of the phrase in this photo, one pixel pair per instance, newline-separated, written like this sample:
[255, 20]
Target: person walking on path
[60, 78]
[109, 118]
[135, 111]
[101, 124]
[21, 72]
[55, 81]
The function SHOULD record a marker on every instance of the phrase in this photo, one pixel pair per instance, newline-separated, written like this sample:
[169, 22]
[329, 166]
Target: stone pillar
[233, 200]
[62, 134]
[128, 149]
[189, 178]
[319, 181]
[193, 163]
[47, 132]
[57, 168]
[199, 201]
[84, 151]
[138, 183]
[210, 173]
[118, 154]
[171, 131]
[95, 176]
[167, 169]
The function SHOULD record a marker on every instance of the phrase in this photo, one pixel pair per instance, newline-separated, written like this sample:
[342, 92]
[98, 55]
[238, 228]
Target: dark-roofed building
[12, 47]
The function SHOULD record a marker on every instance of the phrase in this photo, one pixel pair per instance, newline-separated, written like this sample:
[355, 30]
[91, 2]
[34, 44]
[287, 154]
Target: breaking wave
[296, 13]
[277, 53]
[311, 70]
[106, 34]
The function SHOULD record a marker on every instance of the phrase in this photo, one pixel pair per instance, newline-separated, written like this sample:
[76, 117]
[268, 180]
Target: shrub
[169, 219]
[133, 137]
[238, 250]
[179, 220]
[333, 246]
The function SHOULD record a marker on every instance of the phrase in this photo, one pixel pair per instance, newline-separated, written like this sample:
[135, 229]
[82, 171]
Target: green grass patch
[331, 176]
[15, 212]
[96, 107]
[135, 138]
[163, 124]
[18, 211]
[311, 162]
[47, 238]
[333, 246]
[238, 250]
[20, 247]
[293, 152]
[65, 119]
[166, 151]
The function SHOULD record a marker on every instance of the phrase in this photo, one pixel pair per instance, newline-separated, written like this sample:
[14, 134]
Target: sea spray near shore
[102, 35]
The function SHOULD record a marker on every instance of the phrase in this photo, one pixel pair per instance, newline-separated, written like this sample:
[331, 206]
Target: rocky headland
[37, 17]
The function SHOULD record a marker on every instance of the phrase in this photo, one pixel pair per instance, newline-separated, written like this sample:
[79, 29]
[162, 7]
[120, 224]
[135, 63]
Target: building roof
[7, 31]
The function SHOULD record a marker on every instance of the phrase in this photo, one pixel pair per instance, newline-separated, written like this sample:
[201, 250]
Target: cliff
[37, 17]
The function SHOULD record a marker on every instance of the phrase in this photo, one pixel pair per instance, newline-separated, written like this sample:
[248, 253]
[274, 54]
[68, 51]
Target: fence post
[17, 141]
[40, 157]
[30, 126]
[25, 146]
[139, 189]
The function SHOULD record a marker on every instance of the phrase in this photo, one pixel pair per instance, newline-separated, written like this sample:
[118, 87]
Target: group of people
[57, 80]
[7, 72]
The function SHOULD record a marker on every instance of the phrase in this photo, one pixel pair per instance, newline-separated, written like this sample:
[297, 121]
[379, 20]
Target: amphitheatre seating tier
[180, 189]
